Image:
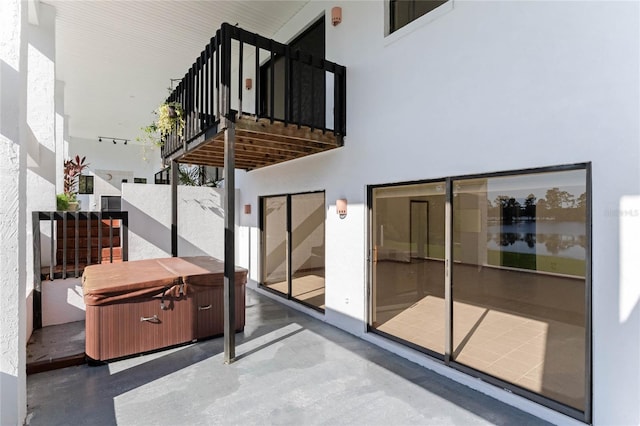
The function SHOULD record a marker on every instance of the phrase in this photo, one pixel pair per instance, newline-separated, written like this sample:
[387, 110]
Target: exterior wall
[485, 87]
[110, 164]
[62, 301]
[13, 225]
[200, 220]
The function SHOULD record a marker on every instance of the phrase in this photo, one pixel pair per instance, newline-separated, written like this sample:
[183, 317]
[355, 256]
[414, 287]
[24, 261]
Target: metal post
[448, 265]
[124, 242]
[229, 197]
[174, 208]
[229, 243]
[37, 271]
[52, 251]
[76, 243]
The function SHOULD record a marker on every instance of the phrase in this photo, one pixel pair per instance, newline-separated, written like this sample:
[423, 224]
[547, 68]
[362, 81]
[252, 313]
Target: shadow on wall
[40, 159]
[207, 204]
[62, 301]
[155, 233]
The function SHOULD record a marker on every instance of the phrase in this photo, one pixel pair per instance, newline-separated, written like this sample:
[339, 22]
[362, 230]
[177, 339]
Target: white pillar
[13, 131]
[60, 131]
[42, 158]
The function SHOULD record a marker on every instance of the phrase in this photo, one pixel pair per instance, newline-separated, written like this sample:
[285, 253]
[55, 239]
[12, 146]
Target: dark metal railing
[205, 92]
[163, 177]
[71, 247]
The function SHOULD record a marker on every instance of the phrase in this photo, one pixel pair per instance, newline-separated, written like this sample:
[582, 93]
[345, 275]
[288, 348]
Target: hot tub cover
[113, 282]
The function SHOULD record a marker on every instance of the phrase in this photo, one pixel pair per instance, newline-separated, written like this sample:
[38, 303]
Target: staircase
[95, 244]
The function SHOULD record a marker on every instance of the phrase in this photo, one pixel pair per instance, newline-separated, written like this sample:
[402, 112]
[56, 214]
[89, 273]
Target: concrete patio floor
[290, 369]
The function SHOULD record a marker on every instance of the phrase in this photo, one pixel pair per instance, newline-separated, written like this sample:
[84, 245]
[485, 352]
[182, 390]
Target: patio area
[290, 369]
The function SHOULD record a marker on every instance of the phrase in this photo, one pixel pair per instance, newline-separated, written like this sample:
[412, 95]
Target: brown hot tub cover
[111, 282]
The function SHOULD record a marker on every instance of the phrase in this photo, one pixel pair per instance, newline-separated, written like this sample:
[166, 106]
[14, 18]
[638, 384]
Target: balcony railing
[290, 86]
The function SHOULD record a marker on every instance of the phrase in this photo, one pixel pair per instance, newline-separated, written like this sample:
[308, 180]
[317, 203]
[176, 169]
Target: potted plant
[73, 168]
[169, 118]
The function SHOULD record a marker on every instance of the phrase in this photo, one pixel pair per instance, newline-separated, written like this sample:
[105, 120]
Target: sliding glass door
[294, 246]
[504, 293]
[408, 264]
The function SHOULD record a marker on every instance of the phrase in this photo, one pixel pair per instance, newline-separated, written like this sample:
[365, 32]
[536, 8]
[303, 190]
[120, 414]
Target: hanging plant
[169, 118]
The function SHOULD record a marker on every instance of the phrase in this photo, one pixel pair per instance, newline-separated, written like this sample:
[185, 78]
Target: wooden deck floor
[259, 143]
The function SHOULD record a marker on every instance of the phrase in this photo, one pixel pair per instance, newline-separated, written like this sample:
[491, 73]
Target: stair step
[82, 254]
[82, 242]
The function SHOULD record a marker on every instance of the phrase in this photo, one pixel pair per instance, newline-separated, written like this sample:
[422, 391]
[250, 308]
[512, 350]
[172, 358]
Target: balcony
[297, 107]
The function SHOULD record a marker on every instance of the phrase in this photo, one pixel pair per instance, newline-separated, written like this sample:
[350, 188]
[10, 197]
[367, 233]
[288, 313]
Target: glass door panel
[307, 248]
[408, 239]
[274, 265]
[518, 286]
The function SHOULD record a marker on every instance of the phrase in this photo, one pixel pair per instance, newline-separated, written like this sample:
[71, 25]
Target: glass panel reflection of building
[519, 280]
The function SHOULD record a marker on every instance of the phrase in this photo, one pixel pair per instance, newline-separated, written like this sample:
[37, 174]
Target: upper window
[405, 11]
[85, 184]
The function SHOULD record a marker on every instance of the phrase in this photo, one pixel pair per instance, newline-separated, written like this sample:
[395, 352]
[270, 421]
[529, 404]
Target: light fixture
[336, 15]
[248, 83]
[114, 140]
[341, 207]
[247, 209]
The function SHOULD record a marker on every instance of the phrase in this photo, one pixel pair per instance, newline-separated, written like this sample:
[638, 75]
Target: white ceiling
[117, 57]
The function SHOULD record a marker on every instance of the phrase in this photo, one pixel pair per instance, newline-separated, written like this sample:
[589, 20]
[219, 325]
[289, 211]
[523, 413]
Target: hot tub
[144, 305]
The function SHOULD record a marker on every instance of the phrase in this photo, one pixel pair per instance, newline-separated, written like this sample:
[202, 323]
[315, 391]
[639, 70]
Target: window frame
[82, 186]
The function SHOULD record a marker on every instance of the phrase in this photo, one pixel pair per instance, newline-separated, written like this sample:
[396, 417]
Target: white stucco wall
[62, 301]
[13, 224]
[200, 220]
[488, 86]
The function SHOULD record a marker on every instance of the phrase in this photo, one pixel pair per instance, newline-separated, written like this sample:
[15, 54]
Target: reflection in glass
[518, 284]
[307, 248]
[408, 263]
[275, 244]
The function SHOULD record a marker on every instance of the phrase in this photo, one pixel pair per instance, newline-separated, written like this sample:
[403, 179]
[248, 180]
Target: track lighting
[114, 140]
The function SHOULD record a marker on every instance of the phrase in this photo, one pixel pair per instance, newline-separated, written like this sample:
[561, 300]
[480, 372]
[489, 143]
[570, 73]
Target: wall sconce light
[247, 209]
[341, 207]
[336, 15]
[248, 83]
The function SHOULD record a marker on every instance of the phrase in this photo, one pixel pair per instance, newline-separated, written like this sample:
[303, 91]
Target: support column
[13, 221]
[229, 241]
[174, 208]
